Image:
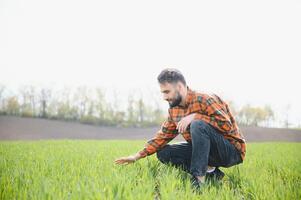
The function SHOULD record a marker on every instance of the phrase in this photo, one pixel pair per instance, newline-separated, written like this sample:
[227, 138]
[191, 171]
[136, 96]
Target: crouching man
[206, 123]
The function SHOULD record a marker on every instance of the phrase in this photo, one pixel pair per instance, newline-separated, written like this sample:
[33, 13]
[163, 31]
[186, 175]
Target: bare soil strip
[17, 128]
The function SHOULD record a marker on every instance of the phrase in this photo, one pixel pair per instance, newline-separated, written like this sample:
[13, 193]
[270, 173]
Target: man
[206, 123]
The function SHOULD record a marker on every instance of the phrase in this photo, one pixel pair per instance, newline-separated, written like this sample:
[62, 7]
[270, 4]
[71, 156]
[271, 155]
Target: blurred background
[96, 62]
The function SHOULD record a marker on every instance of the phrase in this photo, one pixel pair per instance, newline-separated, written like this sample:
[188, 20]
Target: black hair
[171, 75]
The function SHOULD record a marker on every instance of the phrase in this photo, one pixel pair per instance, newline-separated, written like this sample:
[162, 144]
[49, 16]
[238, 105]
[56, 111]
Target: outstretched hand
[125, 160]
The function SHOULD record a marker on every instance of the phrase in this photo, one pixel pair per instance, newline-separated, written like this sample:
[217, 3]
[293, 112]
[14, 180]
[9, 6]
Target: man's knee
[197, 126]
[164, 154]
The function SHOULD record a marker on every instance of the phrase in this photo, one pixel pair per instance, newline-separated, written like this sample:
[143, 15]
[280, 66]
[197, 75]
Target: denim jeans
[207, 147]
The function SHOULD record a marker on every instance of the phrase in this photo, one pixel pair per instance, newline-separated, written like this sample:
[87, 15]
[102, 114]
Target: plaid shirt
[208, 108]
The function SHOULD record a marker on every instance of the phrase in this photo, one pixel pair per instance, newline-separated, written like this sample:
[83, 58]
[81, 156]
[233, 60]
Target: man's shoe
[196, 184]
[216, 175]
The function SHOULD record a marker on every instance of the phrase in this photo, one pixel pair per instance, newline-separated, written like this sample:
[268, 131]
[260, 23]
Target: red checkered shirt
[208, 108]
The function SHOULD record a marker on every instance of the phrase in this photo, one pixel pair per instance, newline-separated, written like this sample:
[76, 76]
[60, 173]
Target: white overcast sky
[246, 51]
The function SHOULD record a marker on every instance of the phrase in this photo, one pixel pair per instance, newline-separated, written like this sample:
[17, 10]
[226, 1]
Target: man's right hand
[127, 160]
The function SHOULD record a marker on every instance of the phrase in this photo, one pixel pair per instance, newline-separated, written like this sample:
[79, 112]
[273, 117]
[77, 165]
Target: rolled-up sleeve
[167, 132]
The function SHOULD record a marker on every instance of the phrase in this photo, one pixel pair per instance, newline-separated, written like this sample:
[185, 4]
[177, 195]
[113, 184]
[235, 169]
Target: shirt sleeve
[166, 133]
[214, 113]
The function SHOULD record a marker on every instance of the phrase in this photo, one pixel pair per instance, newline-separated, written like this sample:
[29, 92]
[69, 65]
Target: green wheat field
[85, 169]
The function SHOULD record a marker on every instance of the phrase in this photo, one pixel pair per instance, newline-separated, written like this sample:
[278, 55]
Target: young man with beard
[206, 123]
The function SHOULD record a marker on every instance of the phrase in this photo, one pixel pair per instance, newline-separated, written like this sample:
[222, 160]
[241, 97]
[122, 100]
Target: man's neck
[183, 102]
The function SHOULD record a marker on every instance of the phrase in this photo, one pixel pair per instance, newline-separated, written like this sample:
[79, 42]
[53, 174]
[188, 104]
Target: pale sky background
[246, 51]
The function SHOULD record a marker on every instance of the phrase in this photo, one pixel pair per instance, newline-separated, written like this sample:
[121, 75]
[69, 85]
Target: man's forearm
[137, 156]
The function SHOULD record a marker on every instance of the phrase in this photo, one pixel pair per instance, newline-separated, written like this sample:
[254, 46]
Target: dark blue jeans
[207, 147]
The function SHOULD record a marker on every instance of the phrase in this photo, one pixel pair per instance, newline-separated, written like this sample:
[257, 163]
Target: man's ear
[179, 86]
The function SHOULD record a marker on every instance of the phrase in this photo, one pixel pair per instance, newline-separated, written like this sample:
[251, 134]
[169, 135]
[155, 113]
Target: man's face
[171, 94]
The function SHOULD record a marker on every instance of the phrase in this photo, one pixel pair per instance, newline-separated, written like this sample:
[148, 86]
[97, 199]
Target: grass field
[82, 169]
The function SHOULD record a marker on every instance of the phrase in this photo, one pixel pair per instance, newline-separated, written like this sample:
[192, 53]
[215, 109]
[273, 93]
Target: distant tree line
[255, 116]
[89, 105]
[81, 104]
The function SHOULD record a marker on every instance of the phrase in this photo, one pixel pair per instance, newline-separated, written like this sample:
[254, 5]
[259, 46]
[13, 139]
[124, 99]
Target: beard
[176, 101]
